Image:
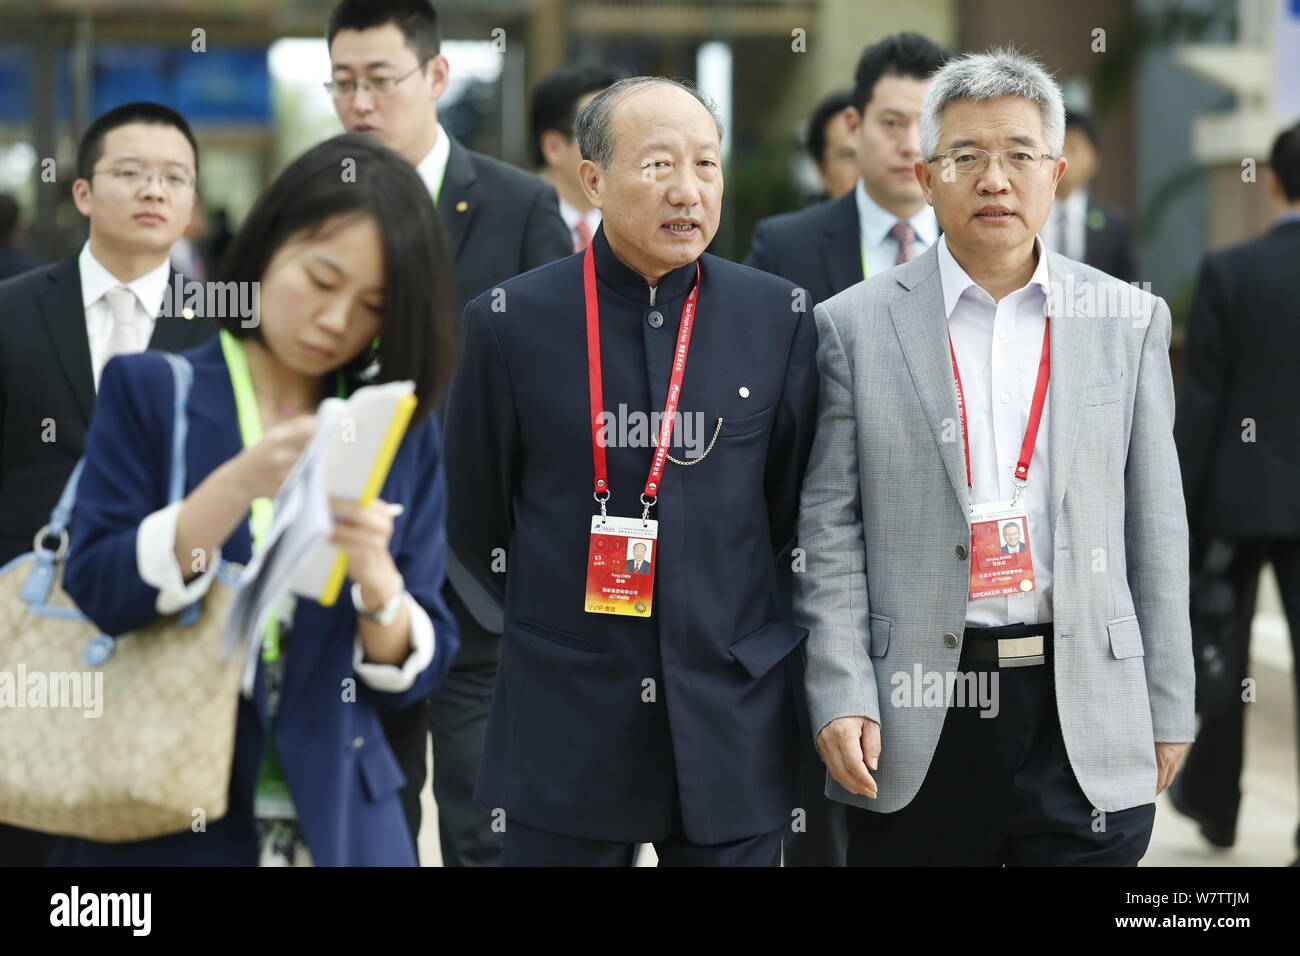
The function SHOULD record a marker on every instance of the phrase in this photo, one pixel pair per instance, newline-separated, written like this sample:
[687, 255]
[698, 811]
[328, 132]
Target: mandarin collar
[630, 284]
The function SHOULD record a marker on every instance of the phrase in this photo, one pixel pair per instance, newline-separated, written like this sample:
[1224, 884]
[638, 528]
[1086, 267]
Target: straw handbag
[157, 758]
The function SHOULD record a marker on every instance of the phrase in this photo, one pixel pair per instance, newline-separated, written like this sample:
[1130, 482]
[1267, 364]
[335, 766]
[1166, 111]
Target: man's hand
[851, 745]
[1168, 757]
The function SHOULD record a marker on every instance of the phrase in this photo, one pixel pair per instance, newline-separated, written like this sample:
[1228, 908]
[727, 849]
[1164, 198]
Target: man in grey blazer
[1035, 722]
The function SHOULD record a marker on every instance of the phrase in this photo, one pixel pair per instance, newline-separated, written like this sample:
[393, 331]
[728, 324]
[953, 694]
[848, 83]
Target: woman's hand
[262, 469]
[364, 533]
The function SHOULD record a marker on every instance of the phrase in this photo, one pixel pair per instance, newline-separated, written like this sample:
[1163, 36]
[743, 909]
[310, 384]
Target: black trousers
[1210, 781]
[824, 841]
[19, 847]
[1000, 791]
[456, 716]
[527, 846]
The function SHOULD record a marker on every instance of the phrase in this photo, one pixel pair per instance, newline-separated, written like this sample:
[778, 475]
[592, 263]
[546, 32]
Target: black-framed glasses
[135, 175]
[968, 159]
[376, 85]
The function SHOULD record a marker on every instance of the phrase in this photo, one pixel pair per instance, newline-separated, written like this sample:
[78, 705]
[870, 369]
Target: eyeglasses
[968, 159]
[133, 176]
[377, 85]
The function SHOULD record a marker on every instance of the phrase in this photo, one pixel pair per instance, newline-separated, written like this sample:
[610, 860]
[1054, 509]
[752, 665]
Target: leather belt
[1025, 645]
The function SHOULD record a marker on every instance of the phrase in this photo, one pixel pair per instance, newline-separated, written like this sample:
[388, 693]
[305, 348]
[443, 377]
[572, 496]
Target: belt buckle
[1021, 651]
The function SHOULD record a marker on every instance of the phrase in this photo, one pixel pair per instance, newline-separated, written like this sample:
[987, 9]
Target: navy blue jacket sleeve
[123, 481]
[792, 432]
[421, 556]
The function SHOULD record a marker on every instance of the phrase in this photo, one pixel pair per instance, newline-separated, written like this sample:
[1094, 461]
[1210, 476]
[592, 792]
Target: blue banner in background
[231, 86]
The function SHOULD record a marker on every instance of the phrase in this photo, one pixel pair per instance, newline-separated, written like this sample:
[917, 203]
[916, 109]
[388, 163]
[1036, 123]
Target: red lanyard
[1035, 410]
[654, 480]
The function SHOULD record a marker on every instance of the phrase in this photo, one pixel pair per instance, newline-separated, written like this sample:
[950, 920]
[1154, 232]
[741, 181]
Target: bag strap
[40, 580]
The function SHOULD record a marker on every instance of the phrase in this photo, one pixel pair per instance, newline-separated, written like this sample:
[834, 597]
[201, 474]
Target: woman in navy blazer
[354, 283]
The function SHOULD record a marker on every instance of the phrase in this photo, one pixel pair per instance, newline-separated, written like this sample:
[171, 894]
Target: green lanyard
[863, 243]
[250, 430]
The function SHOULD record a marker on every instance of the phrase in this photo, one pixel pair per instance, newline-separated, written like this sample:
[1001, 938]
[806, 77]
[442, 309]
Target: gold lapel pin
[187, 313]
[462, 206]
[744, 392]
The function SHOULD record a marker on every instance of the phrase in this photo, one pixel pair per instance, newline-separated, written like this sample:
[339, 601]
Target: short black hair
[417, 19]
[902, 54]
[1284, 157]
[91, 148]
[417, 337]
[829, 107]
[555, 100]
[1083, 122]
[8, 217]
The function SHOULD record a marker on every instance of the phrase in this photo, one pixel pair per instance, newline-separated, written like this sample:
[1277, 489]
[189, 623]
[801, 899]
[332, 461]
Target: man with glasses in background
[1053, 692]
[59, 325]
[387, 75]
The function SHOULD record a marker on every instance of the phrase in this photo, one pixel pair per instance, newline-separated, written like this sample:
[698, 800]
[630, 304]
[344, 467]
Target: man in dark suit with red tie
[60, 324]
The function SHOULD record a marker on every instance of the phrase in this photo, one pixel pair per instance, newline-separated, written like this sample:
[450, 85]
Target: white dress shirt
[433, 167]
[96, 280]
[1066, 229]
[998, 348]
[875, 223]
[572, 217]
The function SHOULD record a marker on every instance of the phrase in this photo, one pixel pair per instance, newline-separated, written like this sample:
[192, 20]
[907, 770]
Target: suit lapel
[173, 333]
[1071, 359]
[457, 200]
[65, 320]
[922, 330]
[842, 249]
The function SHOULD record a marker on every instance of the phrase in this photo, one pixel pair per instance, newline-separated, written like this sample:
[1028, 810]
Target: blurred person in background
[829, 247]
[557, 100]
[830, 144]
[60, 324]
[1081, 227]
[884, 219]
[14, 259]
[387, 76]
[351, 274]
[1238, 436]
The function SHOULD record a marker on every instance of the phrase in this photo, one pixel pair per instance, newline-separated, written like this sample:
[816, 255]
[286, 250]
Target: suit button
[961, 551]
[655, 318]
[356, 743]
[950, 640]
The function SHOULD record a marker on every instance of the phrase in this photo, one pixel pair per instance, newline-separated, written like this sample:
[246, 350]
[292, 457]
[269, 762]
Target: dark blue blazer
[339, 768]
[601, 723]
[819, 248]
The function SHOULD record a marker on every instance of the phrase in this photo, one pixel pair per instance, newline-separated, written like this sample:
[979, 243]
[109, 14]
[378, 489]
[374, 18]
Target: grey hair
[593, 124]
[987, 76]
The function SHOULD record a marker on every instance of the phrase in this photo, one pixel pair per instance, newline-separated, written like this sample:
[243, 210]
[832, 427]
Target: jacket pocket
[880, 628]
[559, 637]
[740, 427]
[381, 776]
[761, 650]
[1125, 637]
[1105, 392]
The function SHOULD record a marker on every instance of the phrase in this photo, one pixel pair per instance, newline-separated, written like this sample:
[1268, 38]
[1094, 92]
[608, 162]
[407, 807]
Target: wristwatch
[387, 612]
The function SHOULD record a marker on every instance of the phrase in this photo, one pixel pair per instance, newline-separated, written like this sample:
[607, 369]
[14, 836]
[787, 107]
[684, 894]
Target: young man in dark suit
[59, 325]
[673, 723]
[1238, 429]
[884, 219]
[387, 75]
